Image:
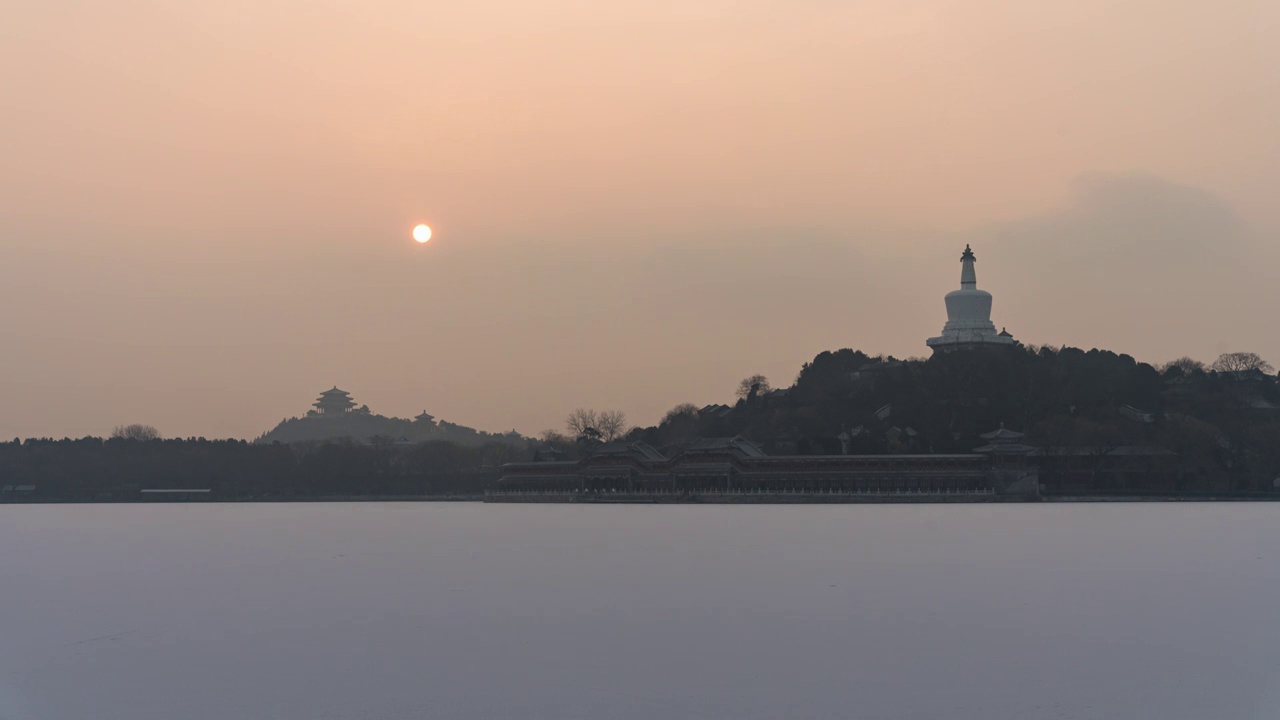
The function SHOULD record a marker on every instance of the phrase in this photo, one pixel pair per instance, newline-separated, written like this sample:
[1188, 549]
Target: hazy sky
[205, 207]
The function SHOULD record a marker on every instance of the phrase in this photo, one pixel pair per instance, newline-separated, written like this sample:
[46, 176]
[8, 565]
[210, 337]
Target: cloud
[1134, 263]
[1128, 219]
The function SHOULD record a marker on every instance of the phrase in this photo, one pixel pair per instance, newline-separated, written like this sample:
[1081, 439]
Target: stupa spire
[968, 276]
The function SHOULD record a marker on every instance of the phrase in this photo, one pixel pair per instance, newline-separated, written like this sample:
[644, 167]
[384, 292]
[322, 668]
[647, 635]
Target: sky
[205, 208]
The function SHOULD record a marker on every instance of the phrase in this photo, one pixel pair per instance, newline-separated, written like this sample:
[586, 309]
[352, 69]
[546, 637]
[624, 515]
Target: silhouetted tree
[135, 431]
[684, 412]
[612, 424]
[580, 421]
[596, 425]
[681, 423]
[753, 387]
[554, 437]
[1185, 364]
[1241, 362]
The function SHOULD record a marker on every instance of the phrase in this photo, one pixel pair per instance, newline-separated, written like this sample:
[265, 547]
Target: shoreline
[707, 499]
[888, 499]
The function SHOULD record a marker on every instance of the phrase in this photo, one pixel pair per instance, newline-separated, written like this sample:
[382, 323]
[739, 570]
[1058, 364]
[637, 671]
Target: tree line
[118, 468]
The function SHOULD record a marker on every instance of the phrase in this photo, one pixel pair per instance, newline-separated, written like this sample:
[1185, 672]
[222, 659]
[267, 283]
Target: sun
[422, 233]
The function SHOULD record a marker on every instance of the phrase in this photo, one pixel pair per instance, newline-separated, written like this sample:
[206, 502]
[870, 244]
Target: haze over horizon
[208, 206]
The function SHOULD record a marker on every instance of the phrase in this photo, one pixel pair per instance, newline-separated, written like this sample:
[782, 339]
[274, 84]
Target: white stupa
[969, 323]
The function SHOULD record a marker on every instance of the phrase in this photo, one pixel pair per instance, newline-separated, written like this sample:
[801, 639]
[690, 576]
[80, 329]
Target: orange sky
[206, 207]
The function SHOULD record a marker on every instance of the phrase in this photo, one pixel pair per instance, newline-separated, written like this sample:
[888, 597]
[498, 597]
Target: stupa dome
[969, 305]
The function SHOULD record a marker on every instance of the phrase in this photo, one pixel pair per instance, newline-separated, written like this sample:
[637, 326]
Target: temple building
[969, 323]
[333, 402]
[737, 465]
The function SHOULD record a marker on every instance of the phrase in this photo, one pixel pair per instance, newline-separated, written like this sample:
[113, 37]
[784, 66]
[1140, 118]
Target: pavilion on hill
[334, 402]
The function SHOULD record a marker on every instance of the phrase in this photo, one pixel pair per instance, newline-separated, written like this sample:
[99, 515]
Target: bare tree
[558, 441]
[605, 425]
[612, 424]
[1241, 361]
[1186, 364]
[135, 431]
[580, 421]
[555, 437]
[752, 387]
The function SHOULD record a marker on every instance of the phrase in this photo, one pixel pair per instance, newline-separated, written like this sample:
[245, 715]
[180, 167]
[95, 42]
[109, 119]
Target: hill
[335, 417]
[1223, 421]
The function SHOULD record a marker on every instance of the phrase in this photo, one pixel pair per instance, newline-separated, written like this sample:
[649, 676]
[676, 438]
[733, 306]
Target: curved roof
[638, 450]
[1003, 434]
[736, 444]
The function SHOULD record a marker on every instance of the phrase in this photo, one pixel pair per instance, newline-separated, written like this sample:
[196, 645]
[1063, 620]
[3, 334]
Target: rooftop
[736, 444]
[1003, 434]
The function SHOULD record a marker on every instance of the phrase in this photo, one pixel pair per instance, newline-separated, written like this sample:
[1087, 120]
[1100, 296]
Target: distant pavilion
[334, 402]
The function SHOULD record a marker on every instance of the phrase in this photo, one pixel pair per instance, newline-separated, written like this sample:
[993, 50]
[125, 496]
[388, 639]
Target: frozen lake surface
[371, 611]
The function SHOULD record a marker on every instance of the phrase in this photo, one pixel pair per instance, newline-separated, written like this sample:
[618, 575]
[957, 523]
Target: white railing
[873, 492]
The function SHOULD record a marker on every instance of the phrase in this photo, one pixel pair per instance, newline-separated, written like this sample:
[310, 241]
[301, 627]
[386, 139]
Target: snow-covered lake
[371, 611]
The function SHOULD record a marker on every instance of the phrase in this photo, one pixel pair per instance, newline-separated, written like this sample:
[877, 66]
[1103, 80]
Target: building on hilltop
[335, 416]
[969, 325]
[333, 403]
[715, 411]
